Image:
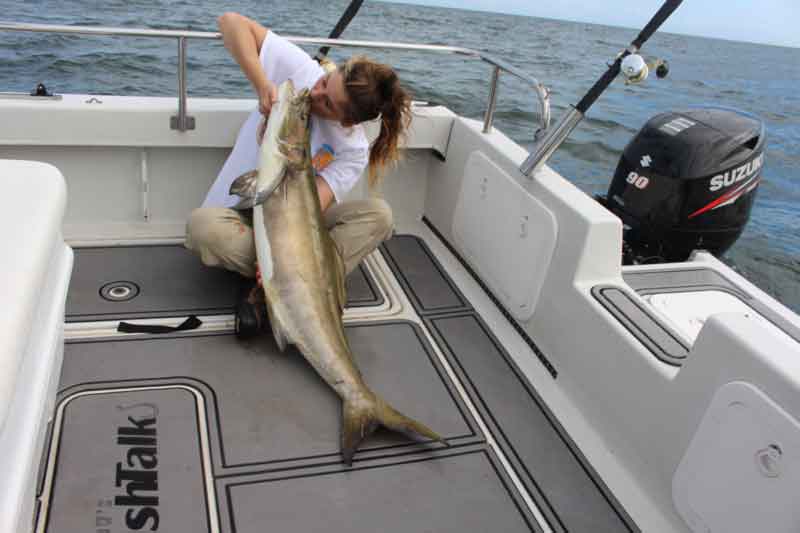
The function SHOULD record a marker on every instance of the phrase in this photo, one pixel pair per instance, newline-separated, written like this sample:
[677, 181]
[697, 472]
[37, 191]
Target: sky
[761, 21]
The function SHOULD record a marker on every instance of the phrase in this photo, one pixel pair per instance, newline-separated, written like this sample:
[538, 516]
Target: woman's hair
[374, 90]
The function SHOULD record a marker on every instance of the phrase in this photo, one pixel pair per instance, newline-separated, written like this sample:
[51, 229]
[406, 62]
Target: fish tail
[362, 418]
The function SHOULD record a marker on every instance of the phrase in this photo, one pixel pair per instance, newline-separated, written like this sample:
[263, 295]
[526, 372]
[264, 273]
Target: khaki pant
[224, 237]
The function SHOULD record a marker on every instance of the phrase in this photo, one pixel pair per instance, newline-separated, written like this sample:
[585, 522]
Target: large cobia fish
[305, 291]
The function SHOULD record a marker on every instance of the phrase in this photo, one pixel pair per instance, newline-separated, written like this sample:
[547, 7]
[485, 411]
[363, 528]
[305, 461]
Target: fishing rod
[627, 61]
[344, 20]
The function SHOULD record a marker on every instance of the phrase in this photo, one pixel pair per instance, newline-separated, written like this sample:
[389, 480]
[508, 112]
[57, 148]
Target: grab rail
[183, 122]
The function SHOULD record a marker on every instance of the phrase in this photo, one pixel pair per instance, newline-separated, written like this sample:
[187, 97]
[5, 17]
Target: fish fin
[245, 185]
[358, 422]
[248, 202]
[396, 421]
[363, 416]
[278, 331]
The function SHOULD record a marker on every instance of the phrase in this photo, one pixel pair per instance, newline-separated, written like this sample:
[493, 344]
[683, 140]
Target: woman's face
[328, 98]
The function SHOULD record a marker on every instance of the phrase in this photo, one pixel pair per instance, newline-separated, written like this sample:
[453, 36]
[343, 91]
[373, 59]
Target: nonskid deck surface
[165, 281]
[201, 432]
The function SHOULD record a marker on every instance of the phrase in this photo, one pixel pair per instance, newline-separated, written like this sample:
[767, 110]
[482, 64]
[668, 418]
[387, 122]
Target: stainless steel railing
[183, 121]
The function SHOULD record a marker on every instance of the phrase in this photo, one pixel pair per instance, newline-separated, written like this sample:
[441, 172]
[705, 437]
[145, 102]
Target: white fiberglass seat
[34, 278]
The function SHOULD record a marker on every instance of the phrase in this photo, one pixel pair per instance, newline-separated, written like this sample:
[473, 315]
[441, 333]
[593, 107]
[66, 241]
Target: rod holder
[551, 140]
[488, 119]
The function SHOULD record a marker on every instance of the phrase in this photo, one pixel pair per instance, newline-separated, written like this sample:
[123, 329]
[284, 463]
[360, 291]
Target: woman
[358, 91]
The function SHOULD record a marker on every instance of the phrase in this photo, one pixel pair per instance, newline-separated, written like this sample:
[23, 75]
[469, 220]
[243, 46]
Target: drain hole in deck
[119, 291]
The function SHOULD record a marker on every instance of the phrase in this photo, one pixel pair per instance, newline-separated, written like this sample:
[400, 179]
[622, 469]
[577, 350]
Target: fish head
[295, 132]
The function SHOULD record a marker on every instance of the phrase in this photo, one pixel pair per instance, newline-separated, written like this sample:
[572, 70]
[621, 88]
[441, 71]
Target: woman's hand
[266, 98]
[267, 95]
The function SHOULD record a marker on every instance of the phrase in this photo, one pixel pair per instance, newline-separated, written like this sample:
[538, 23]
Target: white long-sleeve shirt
[348, 147]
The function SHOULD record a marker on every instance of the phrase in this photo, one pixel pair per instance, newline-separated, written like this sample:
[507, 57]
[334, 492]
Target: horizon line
[514, 14]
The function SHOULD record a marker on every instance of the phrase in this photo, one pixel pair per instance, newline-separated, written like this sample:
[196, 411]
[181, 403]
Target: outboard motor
[687, 181]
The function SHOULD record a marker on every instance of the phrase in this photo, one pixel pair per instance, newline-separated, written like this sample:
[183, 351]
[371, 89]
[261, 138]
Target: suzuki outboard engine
[687, 181]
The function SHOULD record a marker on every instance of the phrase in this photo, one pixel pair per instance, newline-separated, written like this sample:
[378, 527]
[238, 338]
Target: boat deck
[196, 431]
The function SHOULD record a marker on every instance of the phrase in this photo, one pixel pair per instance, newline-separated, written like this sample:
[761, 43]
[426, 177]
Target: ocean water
[566, 56]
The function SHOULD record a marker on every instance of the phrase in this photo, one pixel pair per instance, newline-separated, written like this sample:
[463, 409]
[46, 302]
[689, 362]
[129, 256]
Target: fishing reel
[635, 69]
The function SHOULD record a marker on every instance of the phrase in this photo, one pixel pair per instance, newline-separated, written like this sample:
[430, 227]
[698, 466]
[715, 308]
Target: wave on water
[777, 273]
[100, 62]
[590, 150]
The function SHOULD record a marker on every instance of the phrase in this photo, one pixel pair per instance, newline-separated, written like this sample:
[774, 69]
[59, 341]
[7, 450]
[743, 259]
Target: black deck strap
[190, 323]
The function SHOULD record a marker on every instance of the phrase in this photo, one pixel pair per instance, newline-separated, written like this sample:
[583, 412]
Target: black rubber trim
[631, 323]
[539, 354]
[44, 457]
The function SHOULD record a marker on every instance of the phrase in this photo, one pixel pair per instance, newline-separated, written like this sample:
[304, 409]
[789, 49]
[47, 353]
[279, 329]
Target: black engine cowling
[687, 181]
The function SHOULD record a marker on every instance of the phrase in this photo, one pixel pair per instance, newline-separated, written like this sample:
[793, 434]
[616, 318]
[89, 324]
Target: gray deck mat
[444, 493]
[274, 408]
[121, 455]
[426, 284]
[267, 411]
[557, 476]
[274, 426]
[569, 492]
[171, 281]
[643, 324]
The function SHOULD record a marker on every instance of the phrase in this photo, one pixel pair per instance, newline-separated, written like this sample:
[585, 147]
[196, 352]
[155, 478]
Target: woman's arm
[325, 194]
[243, 38]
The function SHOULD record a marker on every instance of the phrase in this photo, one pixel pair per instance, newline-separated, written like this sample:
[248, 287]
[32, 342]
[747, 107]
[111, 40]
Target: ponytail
[374, 90]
